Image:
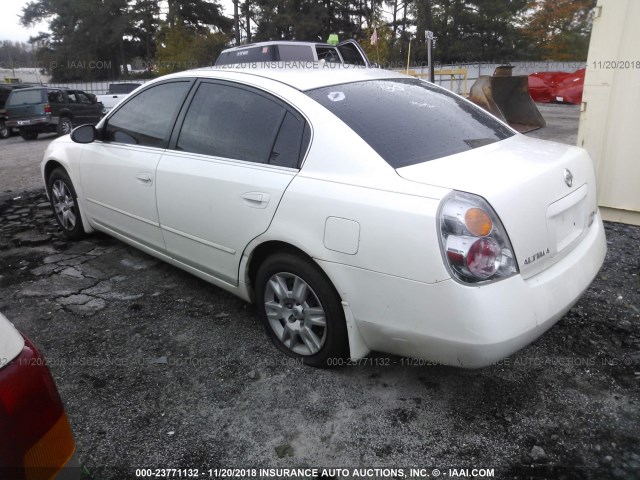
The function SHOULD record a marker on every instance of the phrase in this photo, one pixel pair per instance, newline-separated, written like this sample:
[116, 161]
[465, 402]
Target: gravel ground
[159, 369]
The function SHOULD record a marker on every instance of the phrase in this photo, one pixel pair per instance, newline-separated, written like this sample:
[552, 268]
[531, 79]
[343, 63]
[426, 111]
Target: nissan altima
[360, 209]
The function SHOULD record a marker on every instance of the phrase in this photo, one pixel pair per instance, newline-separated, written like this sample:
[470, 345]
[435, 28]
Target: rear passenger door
[220, 182]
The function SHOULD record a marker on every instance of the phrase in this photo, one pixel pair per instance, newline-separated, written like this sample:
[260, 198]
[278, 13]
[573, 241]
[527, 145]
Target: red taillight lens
[483, 258]
[47, 108]
[473, 240]
[32, 419]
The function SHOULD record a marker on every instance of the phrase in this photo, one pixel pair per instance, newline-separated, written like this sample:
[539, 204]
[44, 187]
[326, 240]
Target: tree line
[100, 39]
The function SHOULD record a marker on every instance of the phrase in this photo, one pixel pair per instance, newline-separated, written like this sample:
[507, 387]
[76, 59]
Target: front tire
[64, 126]
[301, 310]
[64, 201]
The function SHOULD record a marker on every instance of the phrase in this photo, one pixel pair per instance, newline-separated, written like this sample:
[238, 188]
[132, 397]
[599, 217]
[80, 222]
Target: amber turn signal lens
[478, 222]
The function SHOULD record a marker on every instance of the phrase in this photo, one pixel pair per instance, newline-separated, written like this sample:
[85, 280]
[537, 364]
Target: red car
[559, 87]
[36, 441]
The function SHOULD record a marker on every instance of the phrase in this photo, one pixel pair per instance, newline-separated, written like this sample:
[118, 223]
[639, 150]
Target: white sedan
[360, 209]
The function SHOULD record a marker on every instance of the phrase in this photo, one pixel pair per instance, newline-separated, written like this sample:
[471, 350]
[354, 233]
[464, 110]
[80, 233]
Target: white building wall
[610, 113]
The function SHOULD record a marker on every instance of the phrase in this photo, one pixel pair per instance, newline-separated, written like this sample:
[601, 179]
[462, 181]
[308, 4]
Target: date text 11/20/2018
[304, 473]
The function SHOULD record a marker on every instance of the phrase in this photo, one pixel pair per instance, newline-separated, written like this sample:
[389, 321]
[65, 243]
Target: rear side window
[408, 121]
[55, 96]
[300, 53]
[26, 97]
[287, 150]
[234, 122]
[147, 119]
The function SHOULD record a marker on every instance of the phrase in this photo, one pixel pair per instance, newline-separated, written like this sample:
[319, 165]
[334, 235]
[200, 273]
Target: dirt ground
[159, 369]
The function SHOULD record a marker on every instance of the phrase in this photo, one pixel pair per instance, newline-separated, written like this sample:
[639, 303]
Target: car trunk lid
[543, 192]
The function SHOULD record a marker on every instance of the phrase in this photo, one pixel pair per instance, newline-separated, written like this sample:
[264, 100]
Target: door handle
[256, 199]
[144, 179]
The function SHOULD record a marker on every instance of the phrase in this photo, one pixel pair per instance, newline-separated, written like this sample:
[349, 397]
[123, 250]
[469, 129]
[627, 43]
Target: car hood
[523, 179]
[11, 342]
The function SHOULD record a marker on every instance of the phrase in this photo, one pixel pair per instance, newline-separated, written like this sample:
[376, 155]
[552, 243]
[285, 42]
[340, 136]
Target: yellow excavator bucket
[507, 98]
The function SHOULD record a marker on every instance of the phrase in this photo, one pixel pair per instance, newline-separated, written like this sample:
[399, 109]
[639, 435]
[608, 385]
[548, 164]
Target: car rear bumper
[30, 122]
[452, 324]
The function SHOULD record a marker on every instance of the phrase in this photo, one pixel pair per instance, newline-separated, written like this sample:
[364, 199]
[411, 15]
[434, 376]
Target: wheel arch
[357, 346]
[47, 168]
[262, 251]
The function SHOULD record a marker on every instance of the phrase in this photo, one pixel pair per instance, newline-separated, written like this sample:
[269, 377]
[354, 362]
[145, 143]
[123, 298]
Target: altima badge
[568, 177]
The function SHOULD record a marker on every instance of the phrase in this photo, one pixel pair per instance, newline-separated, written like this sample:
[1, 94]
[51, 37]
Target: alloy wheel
[64, 205]
[295, 314]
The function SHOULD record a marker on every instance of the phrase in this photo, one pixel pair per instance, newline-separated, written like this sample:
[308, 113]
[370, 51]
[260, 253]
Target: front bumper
[453, 324]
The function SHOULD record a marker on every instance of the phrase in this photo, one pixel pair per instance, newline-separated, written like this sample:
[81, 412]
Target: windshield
[409, 121]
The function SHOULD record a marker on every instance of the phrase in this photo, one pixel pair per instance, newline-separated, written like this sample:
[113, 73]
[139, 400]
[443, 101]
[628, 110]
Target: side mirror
[84, 134]
[92, 97]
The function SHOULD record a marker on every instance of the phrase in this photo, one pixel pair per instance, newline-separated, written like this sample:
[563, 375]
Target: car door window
[288, 148]
[72, 96]
[83, 98]
[231, 122]
[351, 54]
[148, 117]
[55, 96]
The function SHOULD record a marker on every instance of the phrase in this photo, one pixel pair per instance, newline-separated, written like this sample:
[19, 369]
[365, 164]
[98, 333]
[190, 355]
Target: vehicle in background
[561, 87]
[116, 93]
[36, 440]
[38, 110]
[5, 90]
[348, 52]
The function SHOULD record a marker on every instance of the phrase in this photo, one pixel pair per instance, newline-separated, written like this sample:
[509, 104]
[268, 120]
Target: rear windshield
[409, 121]
[26, 97]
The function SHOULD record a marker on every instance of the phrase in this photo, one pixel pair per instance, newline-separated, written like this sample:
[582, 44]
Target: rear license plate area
[567, 219]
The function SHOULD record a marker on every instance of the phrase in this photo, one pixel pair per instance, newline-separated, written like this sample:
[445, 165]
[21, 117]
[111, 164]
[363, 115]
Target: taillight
[474, 243]
[47, 108]
[35, 436]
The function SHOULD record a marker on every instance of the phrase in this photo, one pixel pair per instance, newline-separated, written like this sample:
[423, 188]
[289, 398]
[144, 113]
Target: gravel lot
[159, 369]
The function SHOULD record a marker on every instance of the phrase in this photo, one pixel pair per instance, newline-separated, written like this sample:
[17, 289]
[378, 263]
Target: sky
[10, 28]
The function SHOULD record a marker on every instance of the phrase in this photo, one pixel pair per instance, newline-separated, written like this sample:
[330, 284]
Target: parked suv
[5, 91]
[40, 110]
[348, 52]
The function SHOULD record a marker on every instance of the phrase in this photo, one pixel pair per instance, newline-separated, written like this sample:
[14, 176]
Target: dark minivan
[41, 110]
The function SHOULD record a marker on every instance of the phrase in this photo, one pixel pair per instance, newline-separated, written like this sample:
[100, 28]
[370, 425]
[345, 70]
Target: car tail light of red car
[35, 436]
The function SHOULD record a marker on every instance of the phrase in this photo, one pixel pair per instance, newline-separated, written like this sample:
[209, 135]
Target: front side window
[409, 121]
[148, 117]
[351, 54]
[237, 123]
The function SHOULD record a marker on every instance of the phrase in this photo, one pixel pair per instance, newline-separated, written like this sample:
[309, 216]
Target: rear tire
[28, 134]
[64, 126]
[4, 130]
[64, 201]
[301, 310]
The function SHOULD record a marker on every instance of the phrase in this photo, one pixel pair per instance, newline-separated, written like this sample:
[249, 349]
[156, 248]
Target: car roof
[277, 42]
[299, 78]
